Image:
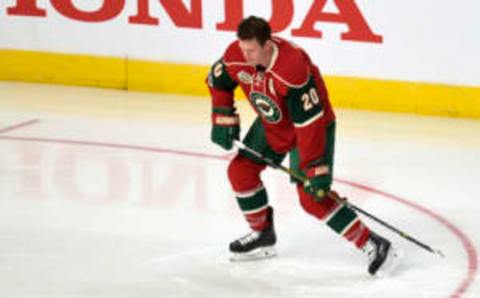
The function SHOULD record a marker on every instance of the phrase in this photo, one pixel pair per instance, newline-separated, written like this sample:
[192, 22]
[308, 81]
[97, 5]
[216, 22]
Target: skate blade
[256, 254]
[394, 258]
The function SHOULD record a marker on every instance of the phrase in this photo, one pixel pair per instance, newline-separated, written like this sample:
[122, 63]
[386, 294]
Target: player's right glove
[226, 127]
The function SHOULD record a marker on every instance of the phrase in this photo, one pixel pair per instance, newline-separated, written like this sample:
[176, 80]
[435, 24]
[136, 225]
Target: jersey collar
[274, 56]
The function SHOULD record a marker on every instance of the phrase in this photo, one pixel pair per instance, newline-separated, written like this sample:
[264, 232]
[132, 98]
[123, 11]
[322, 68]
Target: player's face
[253, 52]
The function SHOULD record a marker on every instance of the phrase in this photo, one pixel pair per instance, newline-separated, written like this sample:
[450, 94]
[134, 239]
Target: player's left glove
[319, 180]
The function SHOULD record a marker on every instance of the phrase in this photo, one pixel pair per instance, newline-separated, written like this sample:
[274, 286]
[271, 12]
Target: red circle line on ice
[467, 244]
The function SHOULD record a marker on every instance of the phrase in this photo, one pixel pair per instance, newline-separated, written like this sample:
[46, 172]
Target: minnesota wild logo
[266, 107]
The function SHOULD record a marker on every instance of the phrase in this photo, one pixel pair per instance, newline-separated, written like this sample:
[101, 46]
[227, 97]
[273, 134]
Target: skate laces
[250, 237]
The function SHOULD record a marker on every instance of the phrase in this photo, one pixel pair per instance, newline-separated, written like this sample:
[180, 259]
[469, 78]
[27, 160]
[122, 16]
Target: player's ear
[268, 43]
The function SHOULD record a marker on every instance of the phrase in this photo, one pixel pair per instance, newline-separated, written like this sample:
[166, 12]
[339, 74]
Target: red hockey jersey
[289, 95]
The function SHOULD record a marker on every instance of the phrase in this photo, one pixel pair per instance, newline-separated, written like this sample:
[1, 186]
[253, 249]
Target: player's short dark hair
[254, 28]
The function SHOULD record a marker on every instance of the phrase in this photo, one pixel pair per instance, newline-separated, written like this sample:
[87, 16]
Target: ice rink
[112, 194]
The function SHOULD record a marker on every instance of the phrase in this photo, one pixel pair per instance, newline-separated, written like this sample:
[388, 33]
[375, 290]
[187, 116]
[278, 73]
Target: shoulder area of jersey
[290, 64]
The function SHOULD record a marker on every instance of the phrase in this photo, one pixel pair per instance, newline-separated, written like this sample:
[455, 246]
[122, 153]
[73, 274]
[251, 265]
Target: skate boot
[255, 245]
[382, 257]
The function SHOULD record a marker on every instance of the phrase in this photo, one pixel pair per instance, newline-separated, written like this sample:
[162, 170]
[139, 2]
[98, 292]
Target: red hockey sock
[358, 234]
[258, 220]
[338, 217]
[244, 175]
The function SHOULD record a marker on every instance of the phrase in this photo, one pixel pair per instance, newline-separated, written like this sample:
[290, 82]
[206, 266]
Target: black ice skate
[255, 245]
[382, 258]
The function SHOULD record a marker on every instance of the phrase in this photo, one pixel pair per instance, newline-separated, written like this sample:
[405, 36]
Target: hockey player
[295, 116]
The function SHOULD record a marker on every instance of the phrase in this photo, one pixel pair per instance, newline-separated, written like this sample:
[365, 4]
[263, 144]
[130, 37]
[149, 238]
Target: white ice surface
[116, 206]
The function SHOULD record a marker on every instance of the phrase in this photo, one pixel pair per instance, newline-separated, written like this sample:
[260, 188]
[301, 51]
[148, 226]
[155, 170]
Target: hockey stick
[339, 199]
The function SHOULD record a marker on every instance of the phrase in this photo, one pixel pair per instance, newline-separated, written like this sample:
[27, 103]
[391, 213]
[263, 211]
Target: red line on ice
[19, 125]
[110, 145]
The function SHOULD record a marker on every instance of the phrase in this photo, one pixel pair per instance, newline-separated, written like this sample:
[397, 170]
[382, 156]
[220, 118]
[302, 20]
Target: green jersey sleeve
[304, 103]
[219, 78]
